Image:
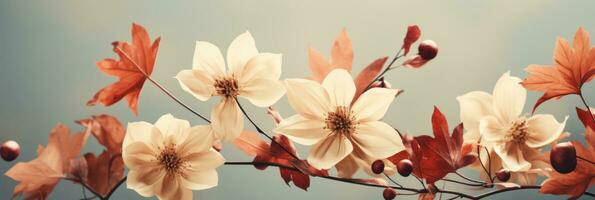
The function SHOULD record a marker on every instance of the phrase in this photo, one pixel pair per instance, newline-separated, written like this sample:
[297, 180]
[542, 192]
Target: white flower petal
[509, 98]
[197, 83]
[308, 98]
[202, 161]
[347, 167]
[492, 130]
[302, 130]
[241, 49]
[208, 58]
[329, 151]
[340, 87]
[200, 180]
[474, 106]
[264, 65]
[197, 139]
[139, 132]
[142, 180]
[377, 139]
[373, 104]
[543, 130]
[512, 157]
[169, 125]
[227, 120]
[170, 187]
[138, 155]
[262, 92]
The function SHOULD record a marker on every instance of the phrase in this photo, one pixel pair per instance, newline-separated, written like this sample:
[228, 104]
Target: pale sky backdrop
[48, 51]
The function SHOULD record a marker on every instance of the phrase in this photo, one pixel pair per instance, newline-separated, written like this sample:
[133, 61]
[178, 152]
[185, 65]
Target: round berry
[428, 49]
[563, 157]
[405, 167]
[503, 175]
[10, 150]
[389, 194]
[378, 167]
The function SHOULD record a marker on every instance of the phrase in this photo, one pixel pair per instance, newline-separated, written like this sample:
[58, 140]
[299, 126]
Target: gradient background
[48, 51]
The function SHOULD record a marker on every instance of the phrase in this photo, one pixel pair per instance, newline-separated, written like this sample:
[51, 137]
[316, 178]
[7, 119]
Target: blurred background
[48, 51]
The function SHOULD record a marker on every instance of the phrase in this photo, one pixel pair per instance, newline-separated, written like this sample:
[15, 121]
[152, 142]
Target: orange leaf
[38, 177]
[367, 75]
[342, 52]
[106, 171]
[140, 54]
[108, 131]
[572, 68]
[413, 34]
[318, 65]
[250, 143]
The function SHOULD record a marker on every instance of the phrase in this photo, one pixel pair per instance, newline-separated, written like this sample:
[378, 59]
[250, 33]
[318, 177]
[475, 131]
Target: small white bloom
[170, 159]
[249, 74]
[496, 121]
[337, 129]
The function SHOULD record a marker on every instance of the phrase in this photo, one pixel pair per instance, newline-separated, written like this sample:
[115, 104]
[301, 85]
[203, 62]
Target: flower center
[518, 131]
[170, 159]
[341, 121]
[227, 87]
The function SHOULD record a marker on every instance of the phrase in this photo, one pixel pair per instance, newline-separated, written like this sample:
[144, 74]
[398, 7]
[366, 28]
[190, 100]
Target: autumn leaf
[299, 172]
[38, 177]
[106, 171]
[433, 158]
[583, 177]
[413, 34]
[572, 68]
[366, 76]
[140, 55]
[108, 131]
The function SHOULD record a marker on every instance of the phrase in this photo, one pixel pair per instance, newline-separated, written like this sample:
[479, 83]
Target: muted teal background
[48, 51]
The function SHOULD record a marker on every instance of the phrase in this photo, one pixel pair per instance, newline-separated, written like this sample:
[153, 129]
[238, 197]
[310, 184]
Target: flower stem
[393, 181]
[587, 106]
[264, 133]
[167, 92]
[388, 68]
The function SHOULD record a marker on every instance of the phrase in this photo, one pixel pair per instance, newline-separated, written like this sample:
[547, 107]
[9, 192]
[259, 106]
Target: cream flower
[170, 159]
[326, 120]
[496, 121]
[249, 74]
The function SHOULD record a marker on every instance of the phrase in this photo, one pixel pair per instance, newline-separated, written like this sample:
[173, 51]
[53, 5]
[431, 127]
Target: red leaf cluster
[577, 182]
[433, 158]
[140, 55]
[291, 169]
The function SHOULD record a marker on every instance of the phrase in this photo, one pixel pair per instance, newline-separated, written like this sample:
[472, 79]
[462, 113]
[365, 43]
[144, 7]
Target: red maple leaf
[298, 171]
[434, 158]
[583, 177]
[572, 68]
[135, 65]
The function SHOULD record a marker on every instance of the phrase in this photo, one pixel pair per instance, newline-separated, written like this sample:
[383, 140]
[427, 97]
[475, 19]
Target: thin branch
[469, 179]
[388, 68]
[586, 105]
[109, 194]
[463, 183]
[167, 92]
[586, 160]
[393, 181]
[264, 133]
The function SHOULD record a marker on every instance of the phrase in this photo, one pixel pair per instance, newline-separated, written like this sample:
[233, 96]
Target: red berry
[428, 49]
[389, 194]
[10, 150]
[503, 175]
[563, 157]
[378, 167]
[405, 167]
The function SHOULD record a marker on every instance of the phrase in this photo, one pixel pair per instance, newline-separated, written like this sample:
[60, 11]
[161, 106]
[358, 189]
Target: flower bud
[378, 167]
[10, 150]
[503, 175]
[563, 157]
[405, 167]
[428, 49]
[389, 194]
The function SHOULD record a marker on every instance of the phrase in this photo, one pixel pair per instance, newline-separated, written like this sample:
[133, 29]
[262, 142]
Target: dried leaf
[572, 68]
[367, 75]
[108, 131]
[142, 53]
[413, 34]
[107, 170]
[38, 177]
[342, 52]
[251, 144]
